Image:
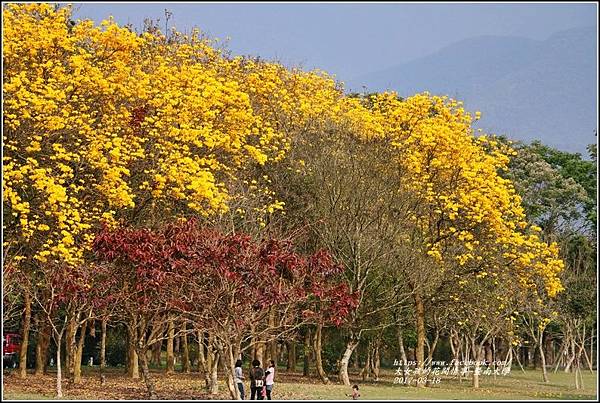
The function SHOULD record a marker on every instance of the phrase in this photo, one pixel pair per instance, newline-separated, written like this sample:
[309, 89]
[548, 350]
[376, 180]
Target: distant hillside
[526, 89]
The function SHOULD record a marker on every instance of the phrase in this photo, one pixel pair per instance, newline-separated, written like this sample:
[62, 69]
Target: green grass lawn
[514, 386]
[25, 396]
[517, 385]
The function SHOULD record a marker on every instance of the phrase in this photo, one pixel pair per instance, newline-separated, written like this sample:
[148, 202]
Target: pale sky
[350, 39]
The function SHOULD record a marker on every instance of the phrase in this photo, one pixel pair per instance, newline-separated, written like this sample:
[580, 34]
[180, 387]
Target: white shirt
[238, 375]
[270, 379]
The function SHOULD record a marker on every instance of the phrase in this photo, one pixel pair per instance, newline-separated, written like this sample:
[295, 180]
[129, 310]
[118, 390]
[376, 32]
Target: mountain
[525, 89]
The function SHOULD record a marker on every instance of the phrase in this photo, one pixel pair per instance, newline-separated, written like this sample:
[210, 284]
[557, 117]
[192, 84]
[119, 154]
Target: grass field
[517, 386]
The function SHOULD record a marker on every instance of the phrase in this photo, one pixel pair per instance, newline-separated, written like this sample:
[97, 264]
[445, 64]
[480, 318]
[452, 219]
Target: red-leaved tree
[225, 284]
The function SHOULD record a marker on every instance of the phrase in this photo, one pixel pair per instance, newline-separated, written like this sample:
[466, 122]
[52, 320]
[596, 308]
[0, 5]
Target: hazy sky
[353, 38]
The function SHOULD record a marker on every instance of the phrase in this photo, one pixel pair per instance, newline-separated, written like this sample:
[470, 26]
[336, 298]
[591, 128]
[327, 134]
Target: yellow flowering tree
[103, 124]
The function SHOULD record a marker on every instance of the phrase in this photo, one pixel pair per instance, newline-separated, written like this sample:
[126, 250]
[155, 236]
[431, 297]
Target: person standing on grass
[257, 375]
[270, 378]
[239, 378]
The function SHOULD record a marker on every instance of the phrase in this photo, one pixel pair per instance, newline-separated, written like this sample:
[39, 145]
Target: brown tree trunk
[291, 355]
[366, 370]
[156, 353]
[92, 328]
[41, 349]
[260, 352]
[432, 347]
[150, 388]
[306, 370]
[25, 335]
[376, 361]
[71, 345]
[185, 361]
[202, 367]
[489, 354]
[271, 345]
[212, 363]
[420, 319]
[477, 358]
[253, 345]
[214, 384]
[272, 352]
[79, 354]
[103, 344]
[133, 369]
[355, 359]
[570, 348]
[228, 364]
[59, 393]
[317, 341]
[280, 349]
[170, 348]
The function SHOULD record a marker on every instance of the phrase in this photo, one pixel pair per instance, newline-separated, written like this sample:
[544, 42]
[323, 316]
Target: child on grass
[355, 394]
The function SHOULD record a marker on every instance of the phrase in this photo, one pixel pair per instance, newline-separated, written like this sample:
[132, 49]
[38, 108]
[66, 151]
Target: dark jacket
[257, 373]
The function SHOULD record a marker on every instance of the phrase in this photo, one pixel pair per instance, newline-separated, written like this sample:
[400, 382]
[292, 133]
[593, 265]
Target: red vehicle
[11, 345]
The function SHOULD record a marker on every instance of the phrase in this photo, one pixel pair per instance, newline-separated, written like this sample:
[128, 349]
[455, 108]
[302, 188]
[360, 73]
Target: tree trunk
[433, 346]
[376, 360]
[273, 351]
[272, 345]
[306, 371]
[455, 346]
[185, 360]
[214, 384]
[509, 357]
[350, 346]
[150, 388]
[59, 393]
[253, 345]
[543, 357]
[170, 348]
[155, 354]
[517, 353]
[228, 364]
[41, 349]
[25, 335]
[317, 341]
[103, 344]
[559, 356]
[79, 354]
[259, 352]
[365, 372]
[420, 319]
[202, 368]
[133, 369]
[280, 352]
[355, 360]
[592, 351]
[71, 345]
[571, 346]
[291, 354]
[403, 357]
[476, 357]
[549, 351]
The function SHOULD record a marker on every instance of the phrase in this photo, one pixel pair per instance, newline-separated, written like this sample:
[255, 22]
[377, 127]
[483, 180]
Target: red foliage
[224, 276]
